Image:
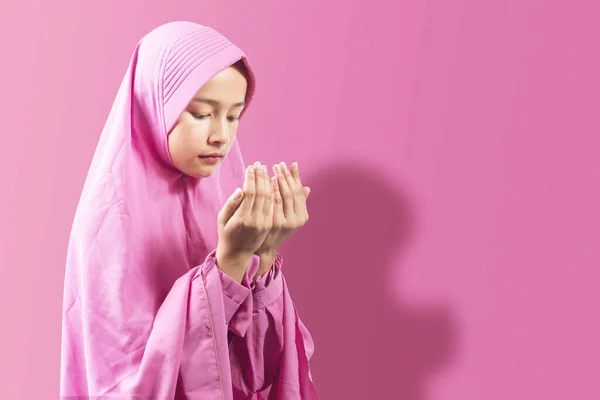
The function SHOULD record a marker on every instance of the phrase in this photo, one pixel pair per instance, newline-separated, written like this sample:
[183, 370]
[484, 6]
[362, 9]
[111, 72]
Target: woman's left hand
[289, 211]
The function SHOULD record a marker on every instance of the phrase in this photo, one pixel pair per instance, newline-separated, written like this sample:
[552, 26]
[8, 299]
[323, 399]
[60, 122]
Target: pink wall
[452, 148]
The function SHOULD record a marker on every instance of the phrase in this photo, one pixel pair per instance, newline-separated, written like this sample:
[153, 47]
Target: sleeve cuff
[234, 293]
[267, 288]
[241, 300]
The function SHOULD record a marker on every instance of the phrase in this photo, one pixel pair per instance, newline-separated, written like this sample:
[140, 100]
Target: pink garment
[146, 312]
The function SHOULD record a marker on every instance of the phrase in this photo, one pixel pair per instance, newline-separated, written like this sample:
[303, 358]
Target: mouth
[212, 155]
[211, 159]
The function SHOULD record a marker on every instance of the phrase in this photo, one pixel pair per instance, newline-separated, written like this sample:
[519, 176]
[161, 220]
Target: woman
[173, 287]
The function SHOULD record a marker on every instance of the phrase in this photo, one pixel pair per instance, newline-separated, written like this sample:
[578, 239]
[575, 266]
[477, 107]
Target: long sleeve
[270, 349]
[123, 338]
[129, 331]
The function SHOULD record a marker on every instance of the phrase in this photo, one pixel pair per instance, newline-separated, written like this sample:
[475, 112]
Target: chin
[202, 172]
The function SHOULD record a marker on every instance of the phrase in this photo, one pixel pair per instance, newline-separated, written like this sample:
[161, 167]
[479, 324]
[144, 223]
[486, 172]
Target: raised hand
[289, 211]
[244, 222]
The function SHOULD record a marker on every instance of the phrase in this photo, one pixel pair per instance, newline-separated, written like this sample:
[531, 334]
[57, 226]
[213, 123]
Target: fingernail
[295, 166]
[284, 165]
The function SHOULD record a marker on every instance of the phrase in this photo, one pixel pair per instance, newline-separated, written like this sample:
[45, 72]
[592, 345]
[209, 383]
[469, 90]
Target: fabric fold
[146, 312]
[271, 361]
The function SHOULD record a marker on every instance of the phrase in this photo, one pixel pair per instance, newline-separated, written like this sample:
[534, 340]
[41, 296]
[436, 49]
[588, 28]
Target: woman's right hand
[244, 222]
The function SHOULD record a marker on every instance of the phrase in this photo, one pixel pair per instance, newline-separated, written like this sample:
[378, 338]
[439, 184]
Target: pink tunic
[147, 314]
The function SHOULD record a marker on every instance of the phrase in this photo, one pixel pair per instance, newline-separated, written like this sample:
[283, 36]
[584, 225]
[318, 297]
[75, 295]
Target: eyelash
[203, 116]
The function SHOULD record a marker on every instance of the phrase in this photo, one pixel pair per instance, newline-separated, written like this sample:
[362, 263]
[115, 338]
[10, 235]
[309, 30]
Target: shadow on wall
[338, 267]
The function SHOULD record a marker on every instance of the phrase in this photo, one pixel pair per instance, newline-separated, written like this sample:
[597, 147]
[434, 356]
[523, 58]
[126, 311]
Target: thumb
[230, 206]
[306, 191]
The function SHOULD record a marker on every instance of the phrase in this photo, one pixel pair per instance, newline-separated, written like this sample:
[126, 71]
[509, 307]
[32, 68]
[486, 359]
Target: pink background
[452, 148]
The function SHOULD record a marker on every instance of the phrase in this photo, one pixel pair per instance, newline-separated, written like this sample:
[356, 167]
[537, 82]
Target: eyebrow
[216, 103]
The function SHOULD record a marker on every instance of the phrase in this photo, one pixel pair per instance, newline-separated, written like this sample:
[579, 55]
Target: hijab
[140, 223]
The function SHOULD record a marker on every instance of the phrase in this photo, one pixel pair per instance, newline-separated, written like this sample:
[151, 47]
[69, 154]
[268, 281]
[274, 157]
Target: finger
[278, 215]
[298, 198]
[285, 192]
[268, 206]
[306, 190]
[230, 206]
[259, 201]
[249, 192]
[296, 174]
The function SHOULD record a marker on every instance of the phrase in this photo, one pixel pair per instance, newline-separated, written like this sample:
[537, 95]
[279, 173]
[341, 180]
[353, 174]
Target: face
[209, 124]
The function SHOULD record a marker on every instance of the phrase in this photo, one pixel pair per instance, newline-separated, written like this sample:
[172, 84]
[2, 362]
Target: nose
[219, 132]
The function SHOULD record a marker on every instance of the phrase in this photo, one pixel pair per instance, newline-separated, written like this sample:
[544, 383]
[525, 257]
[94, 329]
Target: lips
[211, 160]
[213, 155]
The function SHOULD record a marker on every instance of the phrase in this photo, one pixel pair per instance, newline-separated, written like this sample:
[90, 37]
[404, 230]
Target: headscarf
[140, 223]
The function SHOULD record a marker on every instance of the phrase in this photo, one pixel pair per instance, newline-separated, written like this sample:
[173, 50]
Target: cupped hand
[289, 208]
[244, 222]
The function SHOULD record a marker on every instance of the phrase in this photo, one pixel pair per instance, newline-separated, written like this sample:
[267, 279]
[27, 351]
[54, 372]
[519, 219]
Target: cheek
[179, 144]
[185, 139]
[233, 135]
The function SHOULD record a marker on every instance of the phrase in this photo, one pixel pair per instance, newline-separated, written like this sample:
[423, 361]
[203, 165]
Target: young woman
[173, 286]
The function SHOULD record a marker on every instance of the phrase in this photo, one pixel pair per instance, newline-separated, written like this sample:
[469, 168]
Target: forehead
[228, 86]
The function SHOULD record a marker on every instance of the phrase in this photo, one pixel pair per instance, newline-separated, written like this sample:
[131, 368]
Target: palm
[278, 232]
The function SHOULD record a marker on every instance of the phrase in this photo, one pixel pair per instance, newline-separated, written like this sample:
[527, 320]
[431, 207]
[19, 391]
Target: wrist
[234, 265]
[270, 253]
[267, 259]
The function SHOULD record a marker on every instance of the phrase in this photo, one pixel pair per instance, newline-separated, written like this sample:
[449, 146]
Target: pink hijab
[173, 215]
[140, 224]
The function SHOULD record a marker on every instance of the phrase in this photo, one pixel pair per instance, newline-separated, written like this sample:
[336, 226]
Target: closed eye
[199, 116]
[233, 119]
